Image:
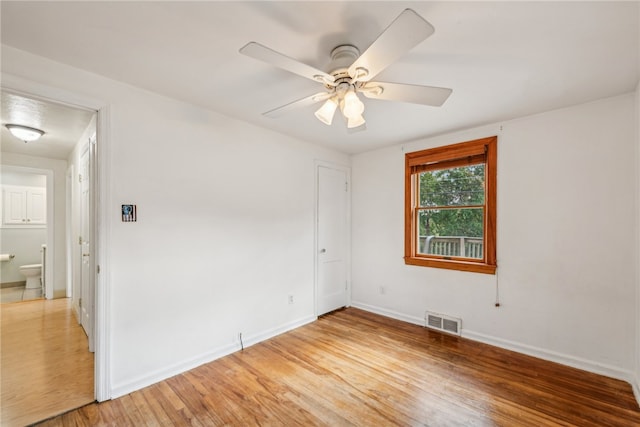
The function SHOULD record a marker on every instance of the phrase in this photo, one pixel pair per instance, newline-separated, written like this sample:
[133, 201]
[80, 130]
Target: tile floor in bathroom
[19, 294]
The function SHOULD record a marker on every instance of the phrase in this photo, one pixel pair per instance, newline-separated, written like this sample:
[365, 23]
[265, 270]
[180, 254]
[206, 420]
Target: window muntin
[450, 206]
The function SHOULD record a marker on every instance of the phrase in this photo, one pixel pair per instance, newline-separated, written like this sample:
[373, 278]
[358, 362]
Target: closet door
[333, 240]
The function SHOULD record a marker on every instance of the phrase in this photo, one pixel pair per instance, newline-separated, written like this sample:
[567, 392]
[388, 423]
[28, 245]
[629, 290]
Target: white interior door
[332, 239]
[86, 271]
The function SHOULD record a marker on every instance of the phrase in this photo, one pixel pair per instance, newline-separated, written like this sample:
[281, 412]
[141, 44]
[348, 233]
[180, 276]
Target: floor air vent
[443, 323]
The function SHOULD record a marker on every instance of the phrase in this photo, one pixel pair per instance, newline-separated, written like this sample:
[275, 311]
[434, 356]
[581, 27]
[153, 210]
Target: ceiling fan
[351, 73]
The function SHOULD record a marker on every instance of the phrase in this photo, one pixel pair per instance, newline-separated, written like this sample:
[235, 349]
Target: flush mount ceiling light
[25, 133]
[350, 73]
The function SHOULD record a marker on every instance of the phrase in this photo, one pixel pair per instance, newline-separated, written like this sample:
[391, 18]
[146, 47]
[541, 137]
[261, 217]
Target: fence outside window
[458, 246]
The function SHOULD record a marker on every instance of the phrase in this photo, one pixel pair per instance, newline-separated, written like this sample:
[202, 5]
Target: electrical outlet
[290, 299]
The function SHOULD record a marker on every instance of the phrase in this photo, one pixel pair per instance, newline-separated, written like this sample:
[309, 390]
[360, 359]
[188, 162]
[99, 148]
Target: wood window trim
[444, 157]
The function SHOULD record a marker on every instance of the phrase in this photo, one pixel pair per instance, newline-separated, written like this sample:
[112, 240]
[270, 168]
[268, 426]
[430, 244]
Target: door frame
[102, 329]
[69, 234]
[316, 218]
[49, 267]
[88, 299]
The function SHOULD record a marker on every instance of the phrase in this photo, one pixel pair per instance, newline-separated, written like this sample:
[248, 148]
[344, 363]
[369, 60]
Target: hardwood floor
[356, 368]
[46, 365]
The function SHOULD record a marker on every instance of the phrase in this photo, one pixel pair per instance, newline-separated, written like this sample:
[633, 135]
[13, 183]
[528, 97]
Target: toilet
[33, 273]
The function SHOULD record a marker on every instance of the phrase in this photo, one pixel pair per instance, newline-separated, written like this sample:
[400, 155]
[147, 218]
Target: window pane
[451, 232]
[461, 186]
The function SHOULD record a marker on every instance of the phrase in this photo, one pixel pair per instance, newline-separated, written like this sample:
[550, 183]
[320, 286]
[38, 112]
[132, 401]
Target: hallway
[46, 366]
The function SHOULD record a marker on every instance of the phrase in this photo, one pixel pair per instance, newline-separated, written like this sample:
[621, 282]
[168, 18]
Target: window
[450, 206]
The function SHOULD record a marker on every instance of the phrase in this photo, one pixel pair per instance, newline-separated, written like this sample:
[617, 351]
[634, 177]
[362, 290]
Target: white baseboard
[389, 313]
[564, 359]
[180, 367]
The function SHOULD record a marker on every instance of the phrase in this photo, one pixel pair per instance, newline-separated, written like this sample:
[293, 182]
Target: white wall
[224, 231]
[25, 243]
[637, 382]
[566, 255]
[23, 179]
[57, 169]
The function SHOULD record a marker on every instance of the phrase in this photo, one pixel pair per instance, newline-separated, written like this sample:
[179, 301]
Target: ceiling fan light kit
[25, 133]
[353, 107]
[354, 122]
[350, 73]
[327, 111]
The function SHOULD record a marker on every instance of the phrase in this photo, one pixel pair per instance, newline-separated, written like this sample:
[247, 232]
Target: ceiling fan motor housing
[341, 59]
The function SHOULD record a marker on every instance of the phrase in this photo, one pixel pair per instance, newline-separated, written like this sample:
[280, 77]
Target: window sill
[473, 267]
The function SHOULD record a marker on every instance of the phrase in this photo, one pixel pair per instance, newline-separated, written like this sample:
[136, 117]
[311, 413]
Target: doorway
[333, 232]
[25, 230]
[63, 216]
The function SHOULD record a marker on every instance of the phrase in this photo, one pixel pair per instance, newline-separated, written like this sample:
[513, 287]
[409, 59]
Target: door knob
[323, 250]
[86, 254]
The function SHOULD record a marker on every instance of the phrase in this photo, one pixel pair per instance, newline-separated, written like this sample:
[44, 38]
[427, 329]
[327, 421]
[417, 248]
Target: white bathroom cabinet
[24, 205]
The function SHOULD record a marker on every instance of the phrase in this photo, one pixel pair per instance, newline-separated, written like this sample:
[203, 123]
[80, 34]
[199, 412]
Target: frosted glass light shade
[326, 112]
[353, 107]
[355, 121]
[25, 133]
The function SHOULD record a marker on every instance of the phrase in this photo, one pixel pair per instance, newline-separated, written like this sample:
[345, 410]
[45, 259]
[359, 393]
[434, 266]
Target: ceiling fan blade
[309, 100]
[404, 33]
[416, 94]
[270, 56]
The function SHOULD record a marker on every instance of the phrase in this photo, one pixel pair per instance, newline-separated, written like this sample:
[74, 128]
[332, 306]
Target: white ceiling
[502, 59]
[63, 126]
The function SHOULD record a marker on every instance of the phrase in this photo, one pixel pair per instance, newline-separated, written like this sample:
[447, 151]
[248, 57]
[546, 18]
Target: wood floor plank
[356, 368]
[46, 366]
[133, 412]
[151, 404]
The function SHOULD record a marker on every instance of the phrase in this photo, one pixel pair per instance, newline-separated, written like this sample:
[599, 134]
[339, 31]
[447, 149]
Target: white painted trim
[68, 229]
[388, 313]
[563, 359]
[102, 290]
[191, 363]
[347, 170]
[102, 335]
[22, 86]
[49, 267]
